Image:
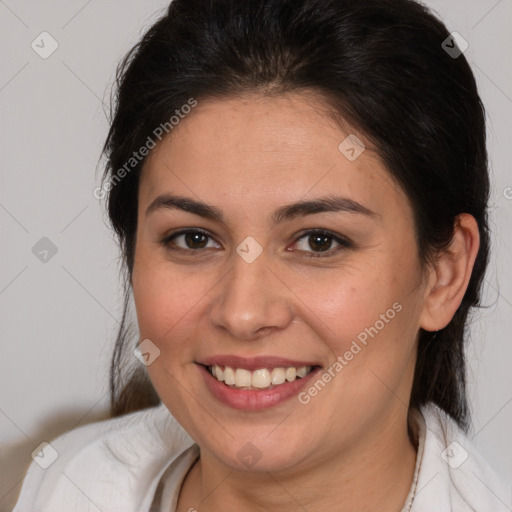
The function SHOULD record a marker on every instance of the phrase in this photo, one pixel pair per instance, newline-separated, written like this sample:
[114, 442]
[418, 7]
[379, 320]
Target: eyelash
[343, 242]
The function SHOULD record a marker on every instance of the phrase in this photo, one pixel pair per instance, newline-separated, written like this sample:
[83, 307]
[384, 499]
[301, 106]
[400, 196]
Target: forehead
[265, 150]
[284, 125]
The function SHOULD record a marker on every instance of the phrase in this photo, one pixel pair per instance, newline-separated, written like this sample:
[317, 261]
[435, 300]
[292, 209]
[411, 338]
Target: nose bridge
[251, 300]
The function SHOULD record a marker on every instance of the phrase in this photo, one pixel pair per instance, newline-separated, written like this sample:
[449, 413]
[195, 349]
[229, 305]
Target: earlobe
[449, 278]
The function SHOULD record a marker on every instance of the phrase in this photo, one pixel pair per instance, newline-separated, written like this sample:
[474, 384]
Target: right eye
[194, 241]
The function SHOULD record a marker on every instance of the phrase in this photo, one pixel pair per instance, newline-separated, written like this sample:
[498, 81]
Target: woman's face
[248, 293]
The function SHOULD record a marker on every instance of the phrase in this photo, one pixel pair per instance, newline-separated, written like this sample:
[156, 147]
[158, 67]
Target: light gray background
[58, 318]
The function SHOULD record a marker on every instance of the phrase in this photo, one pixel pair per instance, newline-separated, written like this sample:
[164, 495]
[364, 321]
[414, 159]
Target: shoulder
[112, 465]
[453, 475]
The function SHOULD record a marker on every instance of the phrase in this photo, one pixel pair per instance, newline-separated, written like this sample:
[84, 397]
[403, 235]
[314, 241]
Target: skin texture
[348, 448]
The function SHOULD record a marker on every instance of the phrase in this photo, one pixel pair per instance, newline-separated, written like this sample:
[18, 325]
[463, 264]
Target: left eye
[321, 242]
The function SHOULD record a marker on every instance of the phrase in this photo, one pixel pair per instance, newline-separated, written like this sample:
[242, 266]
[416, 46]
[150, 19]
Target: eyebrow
[282, 214]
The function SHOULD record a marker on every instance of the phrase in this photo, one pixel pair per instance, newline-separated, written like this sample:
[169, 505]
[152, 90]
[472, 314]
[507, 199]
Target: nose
[251, 301]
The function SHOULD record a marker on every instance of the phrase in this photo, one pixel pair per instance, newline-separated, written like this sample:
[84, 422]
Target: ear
[449, 278]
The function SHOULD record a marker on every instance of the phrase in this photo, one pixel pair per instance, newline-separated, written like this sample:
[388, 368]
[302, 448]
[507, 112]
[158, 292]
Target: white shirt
[137, 463]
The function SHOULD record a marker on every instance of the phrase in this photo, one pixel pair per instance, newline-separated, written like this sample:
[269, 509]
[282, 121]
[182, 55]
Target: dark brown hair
[382, 67]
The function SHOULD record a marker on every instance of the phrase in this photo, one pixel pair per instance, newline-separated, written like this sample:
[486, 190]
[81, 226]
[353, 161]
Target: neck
[371, 475]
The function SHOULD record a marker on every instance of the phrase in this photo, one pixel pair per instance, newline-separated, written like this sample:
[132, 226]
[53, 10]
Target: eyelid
[167, 239]
[344, 243]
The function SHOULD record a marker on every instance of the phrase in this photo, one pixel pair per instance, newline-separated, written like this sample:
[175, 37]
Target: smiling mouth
[263, 378]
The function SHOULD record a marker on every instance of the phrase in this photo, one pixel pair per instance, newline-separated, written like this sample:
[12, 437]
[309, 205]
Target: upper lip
[254, 363]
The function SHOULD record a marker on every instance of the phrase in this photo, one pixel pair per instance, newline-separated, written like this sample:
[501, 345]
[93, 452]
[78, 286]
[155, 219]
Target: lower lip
[251, 400]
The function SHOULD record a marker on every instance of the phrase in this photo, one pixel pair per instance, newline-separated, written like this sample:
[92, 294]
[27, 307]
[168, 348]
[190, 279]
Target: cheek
[168, 301]
[342, 302]
[156, 301]
[368, 315]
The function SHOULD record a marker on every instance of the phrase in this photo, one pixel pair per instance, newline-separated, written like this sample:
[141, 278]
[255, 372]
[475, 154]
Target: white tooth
[217, 371]
[302, 371]
[242, 378]
[229, 376]
[290, 374]
[261, 378]
[278, 376]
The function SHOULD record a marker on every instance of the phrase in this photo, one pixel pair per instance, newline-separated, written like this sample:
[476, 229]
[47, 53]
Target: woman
[300, 193]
